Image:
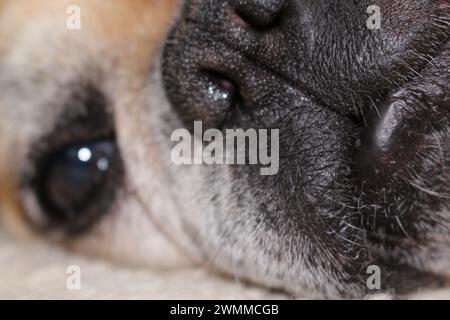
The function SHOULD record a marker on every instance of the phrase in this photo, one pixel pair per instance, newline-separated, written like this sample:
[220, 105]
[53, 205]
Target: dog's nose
[261, 14]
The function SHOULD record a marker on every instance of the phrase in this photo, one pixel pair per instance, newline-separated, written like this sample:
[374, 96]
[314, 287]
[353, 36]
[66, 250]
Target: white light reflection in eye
[84, 154]
[103, 164]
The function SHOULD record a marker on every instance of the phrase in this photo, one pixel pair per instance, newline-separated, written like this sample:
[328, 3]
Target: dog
[362, 115]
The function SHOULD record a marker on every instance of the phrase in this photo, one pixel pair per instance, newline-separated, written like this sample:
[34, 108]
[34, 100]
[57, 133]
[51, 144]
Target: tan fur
[122, 39]
[135, 27]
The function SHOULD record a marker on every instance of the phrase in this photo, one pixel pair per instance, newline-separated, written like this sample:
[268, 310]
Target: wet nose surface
[299, 43]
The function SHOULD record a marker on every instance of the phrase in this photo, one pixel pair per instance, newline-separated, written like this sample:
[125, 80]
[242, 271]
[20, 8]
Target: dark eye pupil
[73, 182]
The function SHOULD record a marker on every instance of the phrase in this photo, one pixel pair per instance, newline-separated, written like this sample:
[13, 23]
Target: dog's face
[363, 114]
[364, 158]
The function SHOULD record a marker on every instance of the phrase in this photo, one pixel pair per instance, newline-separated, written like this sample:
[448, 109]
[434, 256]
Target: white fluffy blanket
[38, 271]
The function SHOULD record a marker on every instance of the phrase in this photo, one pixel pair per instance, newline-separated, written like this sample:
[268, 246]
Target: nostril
[261, 14]
[221, 86]
[217, 100]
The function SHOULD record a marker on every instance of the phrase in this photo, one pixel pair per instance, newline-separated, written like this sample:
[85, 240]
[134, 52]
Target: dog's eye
[73, 172]
[75, 184]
